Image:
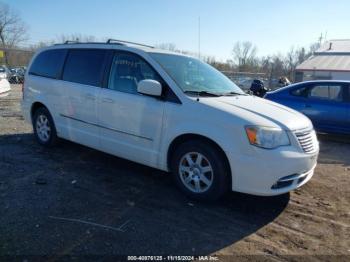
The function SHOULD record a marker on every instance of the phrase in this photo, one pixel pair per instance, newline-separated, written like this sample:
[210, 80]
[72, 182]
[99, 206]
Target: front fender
[224, 141]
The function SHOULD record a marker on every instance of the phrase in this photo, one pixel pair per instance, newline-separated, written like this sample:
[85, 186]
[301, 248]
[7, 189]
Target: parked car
[326, 103]
[171, 112]
[245, 83]
[5, 87]
[3, 72]
[16, 76]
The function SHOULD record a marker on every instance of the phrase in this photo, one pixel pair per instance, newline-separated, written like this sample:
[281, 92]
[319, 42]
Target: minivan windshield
[196, 77]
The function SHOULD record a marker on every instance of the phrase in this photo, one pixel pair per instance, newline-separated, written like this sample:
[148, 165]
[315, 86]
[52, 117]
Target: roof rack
[109, 41]
[115, 41]
[71, 42]
[78, 42]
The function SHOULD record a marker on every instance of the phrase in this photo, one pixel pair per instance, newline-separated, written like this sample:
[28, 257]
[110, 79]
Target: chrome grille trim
[307, 140]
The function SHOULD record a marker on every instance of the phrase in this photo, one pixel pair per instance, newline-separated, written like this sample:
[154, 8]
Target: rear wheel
[44, 127]
[200, 170]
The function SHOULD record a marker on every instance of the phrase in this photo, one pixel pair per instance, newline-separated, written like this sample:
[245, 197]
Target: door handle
[107, 100]
[90, 96]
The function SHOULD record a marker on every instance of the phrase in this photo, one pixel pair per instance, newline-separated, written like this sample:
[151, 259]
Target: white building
[330, 62]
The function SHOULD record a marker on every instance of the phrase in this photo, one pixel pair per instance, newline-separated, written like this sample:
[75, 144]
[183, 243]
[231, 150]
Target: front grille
[307, 141]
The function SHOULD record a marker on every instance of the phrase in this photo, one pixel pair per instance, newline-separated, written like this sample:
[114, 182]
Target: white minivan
[171, 112]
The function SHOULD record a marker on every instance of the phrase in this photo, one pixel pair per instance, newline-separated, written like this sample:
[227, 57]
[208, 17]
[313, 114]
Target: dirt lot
[72, 200]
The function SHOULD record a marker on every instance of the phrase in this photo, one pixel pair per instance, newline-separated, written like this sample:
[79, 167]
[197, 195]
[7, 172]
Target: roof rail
[111, 41]
[77, 42]
[71, 42]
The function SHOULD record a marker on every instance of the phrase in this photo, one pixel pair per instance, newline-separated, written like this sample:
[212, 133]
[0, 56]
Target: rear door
[82, 78]
[347, 101]
[327, 107]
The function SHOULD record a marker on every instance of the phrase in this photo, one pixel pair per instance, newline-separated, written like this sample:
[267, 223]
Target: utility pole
[320, 39]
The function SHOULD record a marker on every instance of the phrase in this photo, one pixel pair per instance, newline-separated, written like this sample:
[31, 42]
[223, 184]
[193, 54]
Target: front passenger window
[299, 92]
[127, 71]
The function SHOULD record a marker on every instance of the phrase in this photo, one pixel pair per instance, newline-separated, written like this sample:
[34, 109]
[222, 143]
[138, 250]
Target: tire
[44, 127]
[207, 161]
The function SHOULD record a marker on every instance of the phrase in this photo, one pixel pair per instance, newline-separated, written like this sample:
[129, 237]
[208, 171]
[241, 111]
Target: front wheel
[200, 170]
[44, 127]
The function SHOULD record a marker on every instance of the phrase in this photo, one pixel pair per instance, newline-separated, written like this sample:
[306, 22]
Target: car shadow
[73, 200]
[340, 138]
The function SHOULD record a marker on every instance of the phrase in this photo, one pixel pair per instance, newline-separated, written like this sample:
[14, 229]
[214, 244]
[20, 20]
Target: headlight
[267, 137]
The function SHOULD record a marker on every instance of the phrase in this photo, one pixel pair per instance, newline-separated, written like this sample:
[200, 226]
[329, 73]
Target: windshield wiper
[202, 93]
[233, 94]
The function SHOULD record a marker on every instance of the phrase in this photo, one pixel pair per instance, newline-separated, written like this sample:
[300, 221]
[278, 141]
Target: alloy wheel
[196, 172]
[43, 128]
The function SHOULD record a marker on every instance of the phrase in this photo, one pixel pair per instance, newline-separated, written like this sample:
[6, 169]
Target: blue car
[326, 103]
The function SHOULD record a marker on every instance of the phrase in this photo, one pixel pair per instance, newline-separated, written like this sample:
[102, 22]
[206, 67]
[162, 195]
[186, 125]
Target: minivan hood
[261, 111]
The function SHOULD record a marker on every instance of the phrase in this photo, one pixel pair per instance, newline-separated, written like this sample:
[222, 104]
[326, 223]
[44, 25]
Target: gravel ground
[72, 200]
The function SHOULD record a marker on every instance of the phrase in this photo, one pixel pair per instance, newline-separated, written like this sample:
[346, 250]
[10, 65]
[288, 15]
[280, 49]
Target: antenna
[199, 37]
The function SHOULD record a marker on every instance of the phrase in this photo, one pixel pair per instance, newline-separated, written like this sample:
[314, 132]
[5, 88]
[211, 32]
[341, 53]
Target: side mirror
[149, 87]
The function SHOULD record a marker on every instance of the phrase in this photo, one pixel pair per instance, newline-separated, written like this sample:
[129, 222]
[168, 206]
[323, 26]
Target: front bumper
[272, 172]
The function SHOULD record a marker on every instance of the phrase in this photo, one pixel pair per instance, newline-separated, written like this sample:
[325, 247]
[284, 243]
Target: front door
[130, 123]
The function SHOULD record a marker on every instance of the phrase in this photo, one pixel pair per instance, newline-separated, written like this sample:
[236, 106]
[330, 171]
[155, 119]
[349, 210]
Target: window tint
[84, 66]
[127, 70]
[48, 63]
[329, 92]
[335, 92]
[299, 92]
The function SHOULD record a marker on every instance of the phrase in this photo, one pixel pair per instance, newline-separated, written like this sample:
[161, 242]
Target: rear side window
[328, 92]
[48, 63]
[84, 66]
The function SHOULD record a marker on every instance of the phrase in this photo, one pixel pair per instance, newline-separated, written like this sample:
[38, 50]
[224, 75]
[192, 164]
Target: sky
[274, 26]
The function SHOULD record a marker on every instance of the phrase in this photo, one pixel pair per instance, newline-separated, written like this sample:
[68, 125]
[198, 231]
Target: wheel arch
[191, 136]
[36, 106]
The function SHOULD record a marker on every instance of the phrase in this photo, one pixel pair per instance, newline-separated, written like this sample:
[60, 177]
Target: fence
[245, 79]
[15, 56]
